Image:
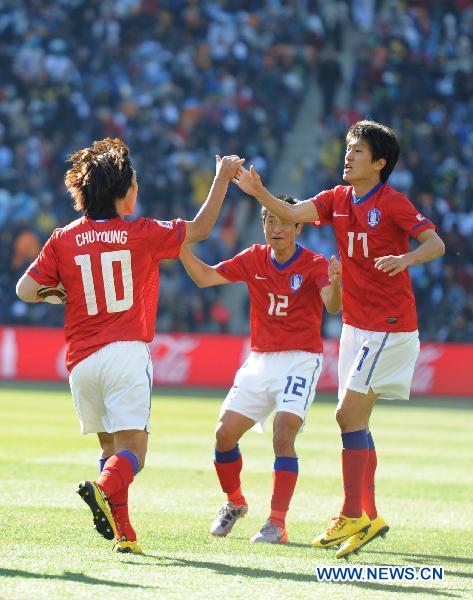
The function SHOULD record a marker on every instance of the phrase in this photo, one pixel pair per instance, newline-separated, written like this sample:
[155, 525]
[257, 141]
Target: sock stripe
[102, 462]
[286, 463]
[355, 440]
[229, 456]
[370, 441]
[131, 457]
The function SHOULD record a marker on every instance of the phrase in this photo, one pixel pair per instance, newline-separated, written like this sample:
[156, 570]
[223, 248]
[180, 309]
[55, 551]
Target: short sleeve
[165, 238]
[407, 217]
[45, 269]
[321, 272]
[323, 202]
[236, 268]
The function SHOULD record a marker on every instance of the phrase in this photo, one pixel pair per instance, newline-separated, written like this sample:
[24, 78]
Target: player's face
[359, 165]
[280, 235]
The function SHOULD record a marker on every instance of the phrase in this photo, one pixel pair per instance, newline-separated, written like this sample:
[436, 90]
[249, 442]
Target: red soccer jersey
[110, 272]
[366, 228]
[286, 307]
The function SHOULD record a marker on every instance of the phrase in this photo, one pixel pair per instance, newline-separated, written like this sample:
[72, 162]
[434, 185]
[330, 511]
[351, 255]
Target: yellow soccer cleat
[341, 529]
[123, 546]
[378, 528]
[93, 496]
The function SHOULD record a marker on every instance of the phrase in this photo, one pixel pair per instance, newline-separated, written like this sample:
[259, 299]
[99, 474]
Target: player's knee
[225, 438]
[283, 443]
[343, 417]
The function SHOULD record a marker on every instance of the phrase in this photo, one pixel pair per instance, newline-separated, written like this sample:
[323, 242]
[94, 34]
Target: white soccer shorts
[279, 381]
[379, 360]
[111, 388]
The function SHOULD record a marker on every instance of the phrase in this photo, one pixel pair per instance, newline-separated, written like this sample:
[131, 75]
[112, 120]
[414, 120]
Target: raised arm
[202, 274]
[431, 246]
[332, 294]
[250, 183]
[200, 228]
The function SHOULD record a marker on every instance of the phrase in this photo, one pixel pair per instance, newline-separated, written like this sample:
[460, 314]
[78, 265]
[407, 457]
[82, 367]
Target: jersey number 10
[107, 259]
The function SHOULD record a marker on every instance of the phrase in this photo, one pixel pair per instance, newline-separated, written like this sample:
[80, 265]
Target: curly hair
[99, 175]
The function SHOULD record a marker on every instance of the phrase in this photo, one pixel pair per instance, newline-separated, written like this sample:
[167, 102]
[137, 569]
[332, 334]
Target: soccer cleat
[378, 528]
[341, 529]
[93, 496]
[123, 546]
[271, 534]
[227, 516]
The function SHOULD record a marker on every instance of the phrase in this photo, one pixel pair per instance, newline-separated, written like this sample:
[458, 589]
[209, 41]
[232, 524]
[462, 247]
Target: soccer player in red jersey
[288, 285]
[108, 270]
[379, 342]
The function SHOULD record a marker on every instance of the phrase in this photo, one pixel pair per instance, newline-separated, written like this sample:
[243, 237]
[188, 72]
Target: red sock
[284, 483]
[119, 505]
[117, 473]
[228, 466]
[354, 463]
[368, 500]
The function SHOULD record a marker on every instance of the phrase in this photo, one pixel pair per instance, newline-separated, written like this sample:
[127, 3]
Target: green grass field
[425, 491]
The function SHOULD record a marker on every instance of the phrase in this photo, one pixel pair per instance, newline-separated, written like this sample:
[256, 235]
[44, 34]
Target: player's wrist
[408, 259]
[222, 178]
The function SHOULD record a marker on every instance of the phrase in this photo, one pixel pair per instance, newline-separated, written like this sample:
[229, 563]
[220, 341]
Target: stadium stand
[182, 80]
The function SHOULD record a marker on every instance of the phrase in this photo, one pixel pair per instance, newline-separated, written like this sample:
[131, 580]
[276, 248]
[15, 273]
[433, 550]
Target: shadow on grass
[430, 557]
[69, 576]
[282, 546]
[224, 569]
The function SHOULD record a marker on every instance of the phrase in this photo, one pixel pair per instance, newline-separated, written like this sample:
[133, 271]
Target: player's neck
[282, 256]
[361, 188]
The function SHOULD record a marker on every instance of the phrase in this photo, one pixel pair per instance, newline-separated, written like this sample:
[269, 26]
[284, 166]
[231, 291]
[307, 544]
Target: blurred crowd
[413, 70]
[179, 81]
[182, 80]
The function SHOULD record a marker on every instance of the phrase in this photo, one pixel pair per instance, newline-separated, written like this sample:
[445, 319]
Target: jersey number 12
[107, 259]
[277, 304]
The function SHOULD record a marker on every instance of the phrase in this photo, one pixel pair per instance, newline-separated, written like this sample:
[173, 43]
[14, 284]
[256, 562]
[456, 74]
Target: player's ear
[380, 164]
[299, 228]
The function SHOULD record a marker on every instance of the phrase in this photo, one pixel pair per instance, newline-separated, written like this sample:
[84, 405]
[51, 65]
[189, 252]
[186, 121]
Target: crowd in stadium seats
[181, 80]
[413, 70]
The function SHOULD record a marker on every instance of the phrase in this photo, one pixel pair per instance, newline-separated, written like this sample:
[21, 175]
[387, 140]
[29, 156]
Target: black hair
[99, 176]
[285, 198]
[382, 142]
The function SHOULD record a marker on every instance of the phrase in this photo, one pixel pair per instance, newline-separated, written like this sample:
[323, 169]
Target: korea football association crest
[374, 217]
[296, 282]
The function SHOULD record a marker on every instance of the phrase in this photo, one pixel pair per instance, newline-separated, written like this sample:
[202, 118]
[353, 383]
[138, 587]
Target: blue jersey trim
[100, 220]
[282, 266]
[422, 223]
[372, 192]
